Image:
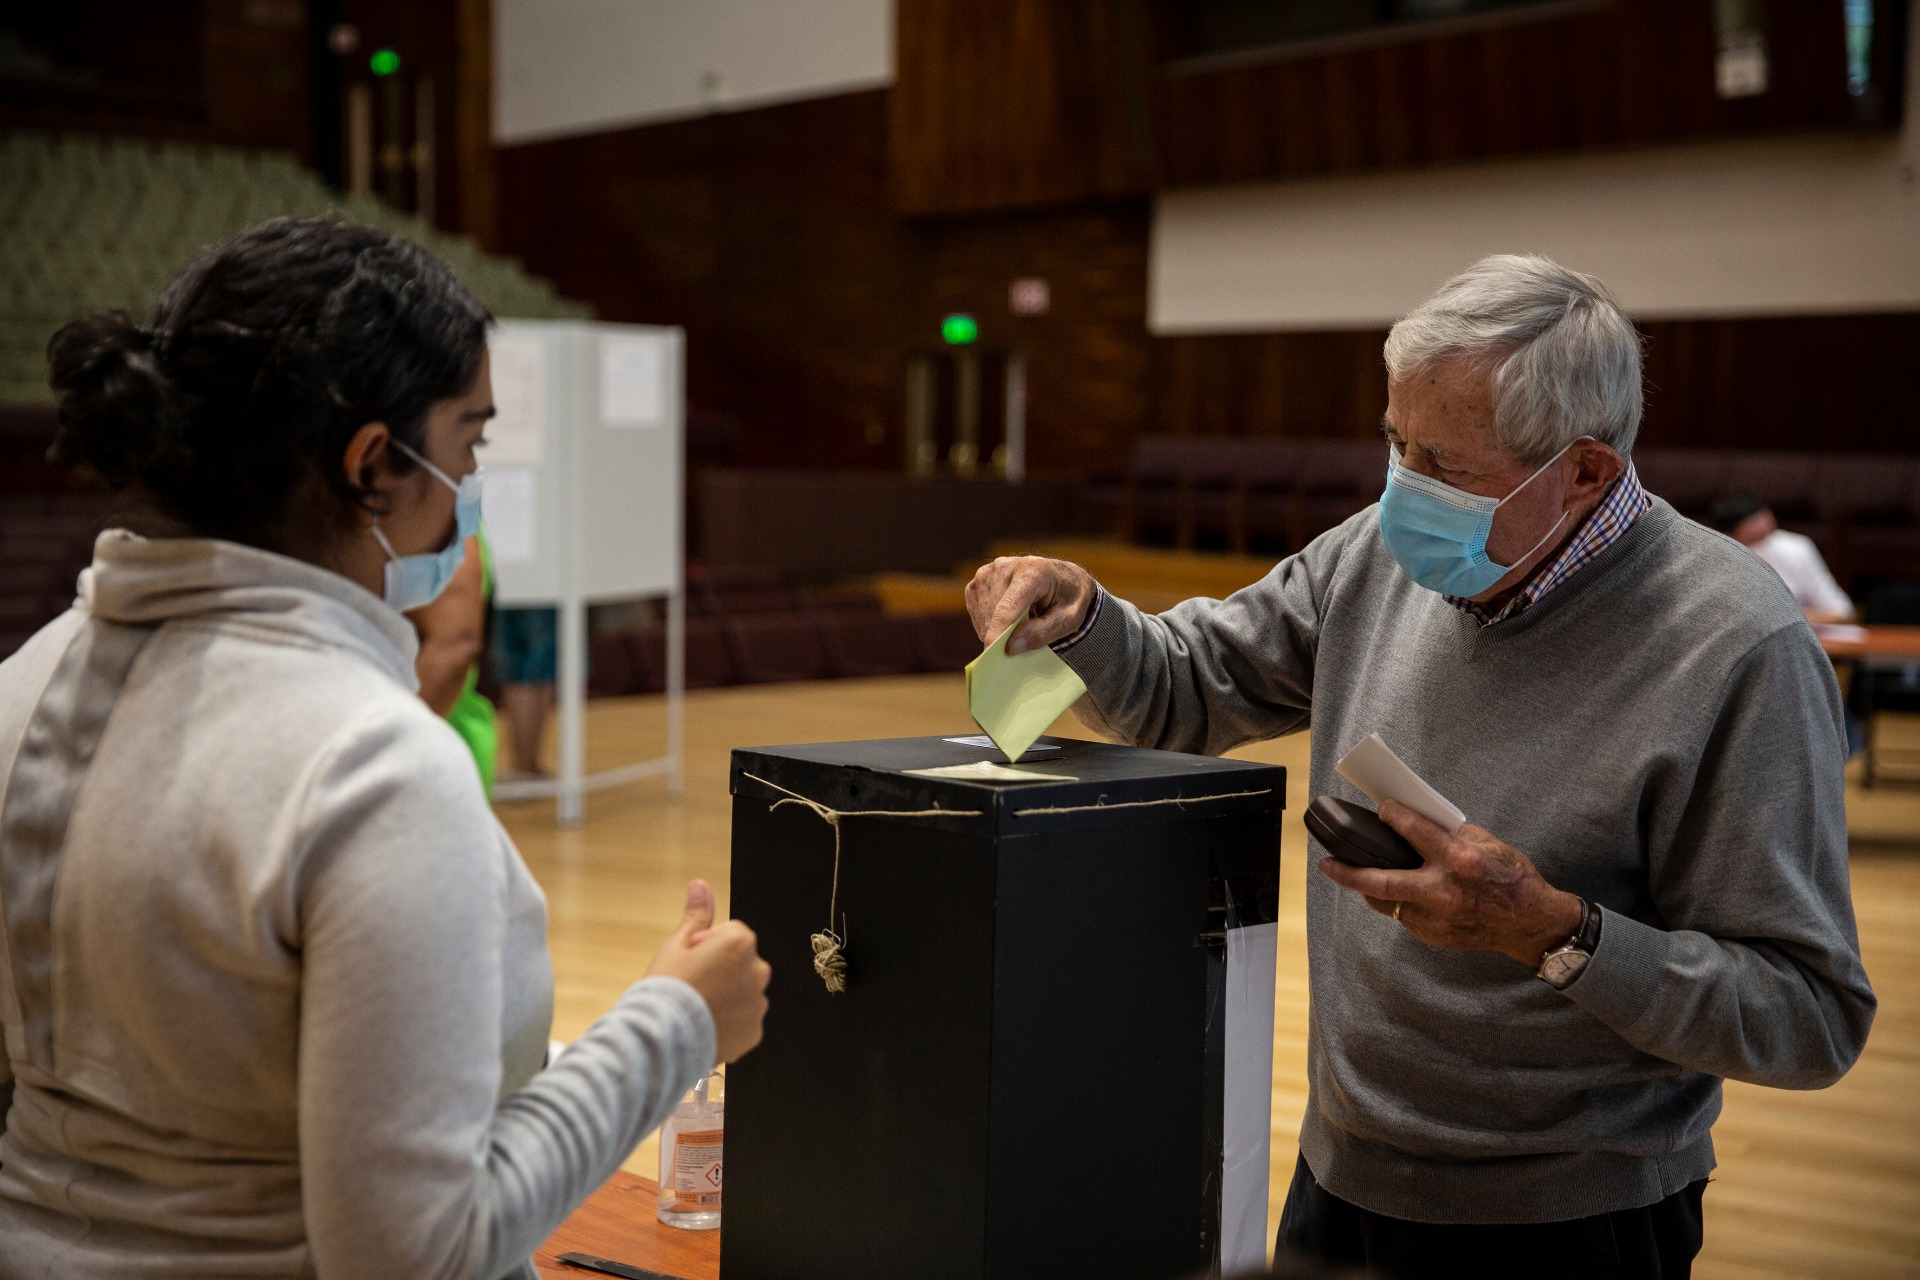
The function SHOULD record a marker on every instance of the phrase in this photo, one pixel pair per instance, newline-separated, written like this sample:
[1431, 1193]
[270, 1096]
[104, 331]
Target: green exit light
[959, 329]
[384, 62]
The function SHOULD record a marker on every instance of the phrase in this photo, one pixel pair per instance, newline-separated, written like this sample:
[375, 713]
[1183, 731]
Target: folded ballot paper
[1372, 767]
[1015, 697]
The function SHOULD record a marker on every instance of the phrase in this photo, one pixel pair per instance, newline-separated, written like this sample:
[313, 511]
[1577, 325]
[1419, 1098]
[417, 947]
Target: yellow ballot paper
[1015, 697]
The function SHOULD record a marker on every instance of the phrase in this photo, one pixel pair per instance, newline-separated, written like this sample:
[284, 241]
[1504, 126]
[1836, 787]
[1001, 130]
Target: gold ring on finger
[1396, 911]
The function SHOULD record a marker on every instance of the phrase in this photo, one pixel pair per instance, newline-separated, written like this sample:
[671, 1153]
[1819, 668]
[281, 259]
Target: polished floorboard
[1823, 1184]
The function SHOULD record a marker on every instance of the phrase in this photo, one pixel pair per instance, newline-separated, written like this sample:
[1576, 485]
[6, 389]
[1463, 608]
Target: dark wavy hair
[230, 409]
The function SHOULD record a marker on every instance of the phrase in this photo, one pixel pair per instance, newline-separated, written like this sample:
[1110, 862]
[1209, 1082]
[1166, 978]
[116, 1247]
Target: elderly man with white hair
[1516, 1049]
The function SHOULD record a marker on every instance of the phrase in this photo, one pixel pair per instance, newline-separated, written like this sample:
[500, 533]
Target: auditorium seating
[746, 628]
[88, 222]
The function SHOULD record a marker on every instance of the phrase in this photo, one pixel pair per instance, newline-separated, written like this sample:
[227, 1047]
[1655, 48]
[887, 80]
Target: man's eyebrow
[479, 415]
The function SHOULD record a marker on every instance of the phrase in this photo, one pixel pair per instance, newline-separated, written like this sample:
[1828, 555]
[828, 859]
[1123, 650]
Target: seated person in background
[453, 633]
[1750, 522]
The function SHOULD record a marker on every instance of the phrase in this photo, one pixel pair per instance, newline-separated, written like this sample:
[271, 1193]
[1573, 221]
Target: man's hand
[723, 964]
[1475, 893]
[1059, 593]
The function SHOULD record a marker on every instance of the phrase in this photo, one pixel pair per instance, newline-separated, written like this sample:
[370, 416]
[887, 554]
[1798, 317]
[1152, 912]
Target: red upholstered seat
[708, 663]
[611, 671]
[774, 647]
[869, 644]
[944, 641]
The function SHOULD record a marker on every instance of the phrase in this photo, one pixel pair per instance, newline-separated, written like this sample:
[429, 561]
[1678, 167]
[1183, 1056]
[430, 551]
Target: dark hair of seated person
[227, 413]
[1728, 513]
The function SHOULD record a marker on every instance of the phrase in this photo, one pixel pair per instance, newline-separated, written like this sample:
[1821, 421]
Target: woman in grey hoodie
[274, 982]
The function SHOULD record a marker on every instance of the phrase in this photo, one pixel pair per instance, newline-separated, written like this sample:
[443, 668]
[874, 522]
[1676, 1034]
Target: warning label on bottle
[696, 1169]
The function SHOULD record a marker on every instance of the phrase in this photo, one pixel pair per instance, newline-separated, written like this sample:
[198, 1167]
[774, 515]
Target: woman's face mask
[416, 580]
[1438, 533]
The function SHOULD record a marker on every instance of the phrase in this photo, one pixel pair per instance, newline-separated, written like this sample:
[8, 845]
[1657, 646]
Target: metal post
[922, 456]
[425, 175]
[573, 710]
[677, 687]
[965, 454]
[359, 140]
[1015, 444]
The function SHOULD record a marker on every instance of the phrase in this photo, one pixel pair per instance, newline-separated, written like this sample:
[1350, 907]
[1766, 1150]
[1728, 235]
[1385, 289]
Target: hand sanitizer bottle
[690, 1143]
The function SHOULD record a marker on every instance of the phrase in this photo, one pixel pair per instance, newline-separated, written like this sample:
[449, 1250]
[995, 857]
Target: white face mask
[416, 580]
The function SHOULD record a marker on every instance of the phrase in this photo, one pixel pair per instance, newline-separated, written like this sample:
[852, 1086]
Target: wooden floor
[1820, 1184]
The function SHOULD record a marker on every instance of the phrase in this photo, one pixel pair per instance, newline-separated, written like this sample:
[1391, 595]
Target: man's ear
[1596, 466]
[364, 462]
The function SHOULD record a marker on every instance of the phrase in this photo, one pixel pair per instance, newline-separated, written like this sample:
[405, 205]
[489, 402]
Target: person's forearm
[1753, 1012]
[558, 1138]
[442, 670]
[1160, 681]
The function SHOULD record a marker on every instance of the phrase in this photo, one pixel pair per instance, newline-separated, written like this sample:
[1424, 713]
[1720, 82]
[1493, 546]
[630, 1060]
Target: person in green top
[453, 633]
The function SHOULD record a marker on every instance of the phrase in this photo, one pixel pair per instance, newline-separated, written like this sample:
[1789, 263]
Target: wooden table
[1895, 643]
[618, 1222]
[1865, 648]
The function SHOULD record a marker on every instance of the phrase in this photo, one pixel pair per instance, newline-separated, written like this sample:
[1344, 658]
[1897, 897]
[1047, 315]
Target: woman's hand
[723, 964]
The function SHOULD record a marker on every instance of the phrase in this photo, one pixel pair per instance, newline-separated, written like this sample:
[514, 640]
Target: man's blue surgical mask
[417, 580]
[1439, 533]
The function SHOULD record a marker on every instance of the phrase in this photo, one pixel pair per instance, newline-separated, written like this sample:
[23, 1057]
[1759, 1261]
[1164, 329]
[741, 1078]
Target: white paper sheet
[982, 740]
[1247, 1098]
[517, 435]
[1372, 767]
[632, 390]
[509, 507]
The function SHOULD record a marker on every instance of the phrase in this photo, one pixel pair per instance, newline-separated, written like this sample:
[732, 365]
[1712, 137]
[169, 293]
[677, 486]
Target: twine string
[1182, 801]
[829, 947]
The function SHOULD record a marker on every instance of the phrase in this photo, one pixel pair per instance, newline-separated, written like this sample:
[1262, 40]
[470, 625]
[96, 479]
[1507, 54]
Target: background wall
[811, 246]
[769, 235]
[1767, 227]
[574, 66]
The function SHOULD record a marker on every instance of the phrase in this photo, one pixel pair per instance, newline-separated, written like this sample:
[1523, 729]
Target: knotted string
[829, 947]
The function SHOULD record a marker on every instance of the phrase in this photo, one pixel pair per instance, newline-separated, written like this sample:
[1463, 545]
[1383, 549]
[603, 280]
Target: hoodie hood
[147, 581]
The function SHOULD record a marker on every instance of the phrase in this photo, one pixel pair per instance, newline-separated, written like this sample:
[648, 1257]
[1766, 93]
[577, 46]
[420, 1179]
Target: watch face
[1562, 967]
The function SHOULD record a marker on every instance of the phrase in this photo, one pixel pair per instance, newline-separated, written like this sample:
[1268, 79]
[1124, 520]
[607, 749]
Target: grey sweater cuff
[1628, 965]
[1101, 652]
[690, 1008]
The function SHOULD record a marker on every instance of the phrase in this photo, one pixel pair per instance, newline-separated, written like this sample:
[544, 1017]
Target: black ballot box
[1053, 1051]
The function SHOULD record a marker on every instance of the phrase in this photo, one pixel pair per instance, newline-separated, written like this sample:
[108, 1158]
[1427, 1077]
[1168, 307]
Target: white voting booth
[582, 506]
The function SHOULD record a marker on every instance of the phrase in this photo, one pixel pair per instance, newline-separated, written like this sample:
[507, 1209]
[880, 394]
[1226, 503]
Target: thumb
[699, 913]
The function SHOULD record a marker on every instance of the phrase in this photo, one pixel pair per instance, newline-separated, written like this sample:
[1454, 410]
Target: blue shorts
[526, 645]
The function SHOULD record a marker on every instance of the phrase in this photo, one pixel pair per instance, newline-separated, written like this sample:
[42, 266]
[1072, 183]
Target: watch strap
[1585, 938]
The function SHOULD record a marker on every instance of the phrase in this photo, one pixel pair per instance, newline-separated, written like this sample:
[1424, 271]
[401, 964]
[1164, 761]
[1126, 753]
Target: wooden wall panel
[769, 235]
[1002, 103]
[1008, 103]
[1818, 383]
[1634, 71]
[1840, 383]
[766, 234]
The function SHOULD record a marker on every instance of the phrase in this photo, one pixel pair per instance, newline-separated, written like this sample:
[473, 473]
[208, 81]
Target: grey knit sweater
[1662, 735]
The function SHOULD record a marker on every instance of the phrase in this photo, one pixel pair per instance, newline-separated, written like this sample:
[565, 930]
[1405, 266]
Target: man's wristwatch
[1560, 966]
